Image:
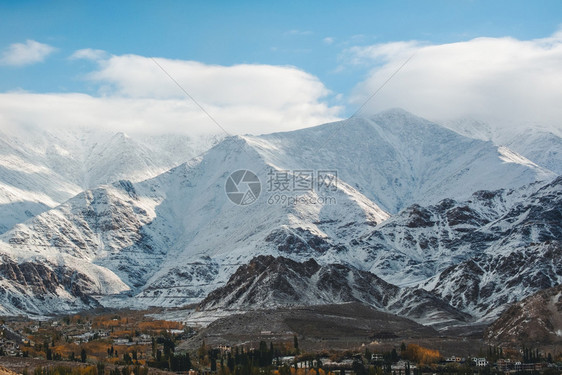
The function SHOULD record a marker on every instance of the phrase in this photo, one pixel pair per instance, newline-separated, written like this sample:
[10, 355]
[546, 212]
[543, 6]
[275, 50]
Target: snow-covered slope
[421, 241]
[27, 190]
[216, 236]
[176, 237]
[516, 255]
[44, 285]
[397, 159]
[172, 239]
[40, 169]
[480, 254]
[540, 145]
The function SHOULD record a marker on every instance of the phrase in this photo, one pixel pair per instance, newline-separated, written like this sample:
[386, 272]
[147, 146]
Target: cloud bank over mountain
[505, 81]
[135, 94]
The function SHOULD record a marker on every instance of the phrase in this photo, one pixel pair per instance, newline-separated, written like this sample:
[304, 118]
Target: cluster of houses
[477, 361]
[343, 364]
[506, 365]
[376, 358]
[88, 336]
[143, 339]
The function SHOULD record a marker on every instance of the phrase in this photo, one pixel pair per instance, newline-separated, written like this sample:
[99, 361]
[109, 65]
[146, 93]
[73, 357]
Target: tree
[263, 355]
[296, 344]
[394, 356]
[48, 353]
[230, 362]
[169, 347]
[180, 362]
[202, 351]
[213, 365]
[367, 354]
[359, 368]
[83, 355]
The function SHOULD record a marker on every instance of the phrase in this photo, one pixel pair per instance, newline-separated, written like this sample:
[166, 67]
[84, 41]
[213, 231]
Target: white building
[480, 362]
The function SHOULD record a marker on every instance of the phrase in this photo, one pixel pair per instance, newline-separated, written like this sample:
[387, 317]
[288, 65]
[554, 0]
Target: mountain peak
[395, 112]
[121, 135]
[398, 118]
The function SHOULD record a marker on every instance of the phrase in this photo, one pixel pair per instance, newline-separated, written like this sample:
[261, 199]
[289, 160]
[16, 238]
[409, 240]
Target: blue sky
[327, 40]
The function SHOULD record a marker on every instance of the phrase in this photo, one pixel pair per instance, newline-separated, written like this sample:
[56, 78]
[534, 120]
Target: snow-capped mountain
[40, 169]
[172, 239]
[486, 253]
[422, 241]
[267, 282]
[512, 257]
[480, 254]
[542, 146]
[397, 159]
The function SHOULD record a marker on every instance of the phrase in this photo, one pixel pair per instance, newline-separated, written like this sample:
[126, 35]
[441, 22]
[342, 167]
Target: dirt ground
[5, 371]
[18, 364]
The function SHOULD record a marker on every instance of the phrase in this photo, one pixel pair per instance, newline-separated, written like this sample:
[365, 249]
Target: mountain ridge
[41, 169]
[268, 281]
[172, 239]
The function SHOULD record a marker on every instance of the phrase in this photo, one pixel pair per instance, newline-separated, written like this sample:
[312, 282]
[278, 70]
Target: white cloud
[260, 85]
[328, 40]
[89, 54]
[382, 53]
[153, 116]
[136, 96]
[30, 52]
[501, 80]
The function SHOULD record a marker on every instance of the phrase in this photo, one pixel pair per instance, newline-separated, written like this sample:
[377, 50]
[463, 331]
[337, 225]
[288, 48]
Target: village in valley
[129, 342]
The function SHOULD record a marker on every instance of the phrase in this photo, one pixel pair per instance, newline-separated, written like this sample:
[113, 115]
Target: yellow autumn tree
[419, 354]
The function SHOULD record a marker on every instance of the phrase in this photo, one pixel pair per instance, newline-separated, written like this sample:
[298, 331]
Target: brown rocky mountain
[269, 281]
[536, 319]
